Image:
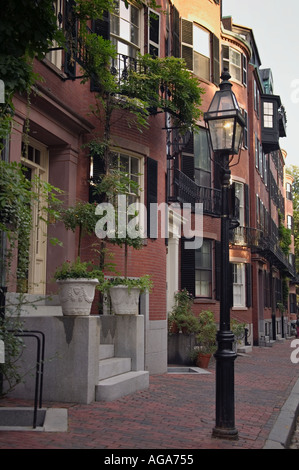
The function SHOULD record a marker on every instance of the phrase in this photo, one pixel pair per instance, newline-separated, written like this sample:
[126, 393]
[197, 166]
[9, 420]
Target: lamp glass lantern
[225, 120]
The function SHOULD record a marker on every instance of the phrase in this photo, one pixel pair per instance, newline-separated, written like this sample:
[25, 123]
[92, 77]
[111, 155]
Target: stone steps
[116, 379]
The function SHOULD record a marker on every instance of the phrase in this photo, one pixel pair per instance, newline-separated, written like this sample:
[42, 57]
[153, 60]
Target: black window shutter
[102, 28]
[216, 60]
[188, 166]
[176, 52]
[187, 39]
[152, 193]
[247, 206]
[187, 268]
[71, 31]
[248, 285]
[217, 269]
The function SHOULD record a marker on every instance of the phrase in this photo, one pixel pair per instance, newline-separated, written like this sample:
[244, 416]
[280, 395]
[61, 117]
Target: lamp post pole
[225, 355]
[226, 124]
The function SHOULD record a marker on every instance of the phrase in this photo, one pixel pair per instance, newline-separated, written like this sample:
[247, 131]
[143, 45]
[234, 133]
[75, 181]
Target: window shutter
[175, 33]
[187, 43]
[102, 28]
[247, 205]
[217, 269]
[71, 29]
[187, 268]
[248, 285]
[216, 62]
[188, 166]
[152, 193]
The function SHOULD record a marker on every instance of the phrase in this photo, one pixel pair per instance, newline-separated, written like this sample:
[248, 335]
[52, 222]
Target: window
[120, 161]
[232, 61]
[154, 34]
[257, 151]
[265, 169]
[125, 29]
[268, 114]
[289, 194]
[202, 55]
[290, 222]
[239, 285]
[196, 49]
[244, 62]
[202, 159]
[203, 270]
[239, 193]
[55, 54]
[129, 165]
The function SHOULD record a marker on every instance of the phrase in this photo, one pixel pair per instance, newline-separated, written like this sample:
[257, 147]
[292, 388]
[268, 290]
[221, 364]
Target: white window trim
[241, 285]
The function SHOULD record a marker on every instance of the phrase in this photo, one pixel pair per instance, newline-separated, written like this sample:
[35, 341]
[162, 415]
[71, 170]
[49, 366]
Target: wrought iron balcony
[185, 190]
[265, 245]
[268, 247]
[246, 236]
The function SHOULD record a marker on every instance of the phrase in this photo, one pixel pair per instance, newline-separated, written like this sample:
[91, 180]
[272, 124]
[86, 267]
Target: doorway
[35, 158]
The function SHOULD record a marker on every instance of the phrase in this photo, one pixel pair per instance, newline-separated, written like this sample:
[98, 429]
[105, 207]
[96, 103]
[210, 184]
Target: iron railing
[185, 190]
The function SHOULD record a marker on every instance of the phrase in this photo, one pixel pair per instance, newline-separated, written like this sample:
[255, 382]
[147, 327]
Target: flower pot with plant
[77, 282]
[206, 338]
[123, 291]
[181, 317]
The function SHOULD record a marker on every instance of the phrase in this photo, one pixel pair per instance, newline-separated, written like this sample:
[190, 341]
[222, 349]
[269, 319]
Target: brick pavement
[176, 412]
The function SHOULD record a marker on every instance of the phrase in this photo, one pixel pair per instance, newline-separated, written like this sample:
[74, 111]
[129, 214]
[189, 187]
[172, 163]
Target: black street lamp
[225, 124]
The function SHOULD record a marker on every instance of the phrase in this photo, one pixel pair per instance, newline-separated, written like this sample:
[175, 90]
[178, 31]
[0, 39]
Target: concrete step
[114, 366]
[106, 351]
[116, 387]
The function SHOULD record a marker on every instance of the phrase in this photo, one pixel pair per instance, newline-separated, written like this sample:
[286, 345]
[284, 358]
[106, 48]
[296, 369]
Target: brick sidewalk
[176, 412]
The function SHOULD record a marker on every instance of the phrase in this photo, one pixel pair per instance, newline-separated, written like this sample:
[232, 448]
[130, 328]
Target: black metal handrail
[39, 368]
[185, 190]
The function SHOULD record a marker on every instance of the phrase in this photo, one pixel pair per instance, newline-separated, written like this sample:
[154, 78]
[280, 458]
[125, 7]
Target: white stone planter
[76, 295]
[123, 300]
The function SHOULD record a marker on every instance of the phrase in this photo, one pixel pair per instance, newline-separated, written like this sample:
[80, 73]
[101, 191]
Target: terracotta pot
[174, 329]
[203, 360]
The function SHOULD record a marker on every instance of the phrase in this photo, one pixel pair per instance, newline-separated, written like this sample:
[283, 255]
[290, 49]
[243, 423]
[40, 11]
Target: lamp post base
[222, 433]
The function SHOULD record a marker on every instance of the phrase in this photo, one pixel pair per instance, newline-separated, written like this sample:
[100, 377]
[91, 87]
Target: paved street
[177, 411]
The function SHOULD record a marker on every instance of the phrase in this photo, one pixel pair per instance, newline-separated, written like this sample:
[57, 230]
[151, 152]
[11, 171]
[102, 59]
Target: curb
[282, 431]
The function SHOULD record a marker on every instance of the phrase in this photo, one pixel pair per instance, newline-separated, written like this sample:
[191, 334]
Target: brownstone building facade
[60, 123]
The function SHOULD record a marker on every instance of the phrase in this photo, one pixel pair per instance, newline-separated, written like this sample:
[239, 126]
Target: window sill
[198, 300]
[239, 308]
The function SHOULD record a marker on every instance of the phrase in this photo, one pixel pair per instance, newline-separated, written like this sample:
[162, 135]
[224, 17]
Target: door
[36, 159]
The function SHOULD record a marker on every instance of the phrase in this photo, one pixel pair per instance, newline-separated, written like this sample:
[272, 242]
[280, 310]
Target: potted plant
[206, 338]
[181, 317]
[123, 291]
[77, 282]
[238, 329]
